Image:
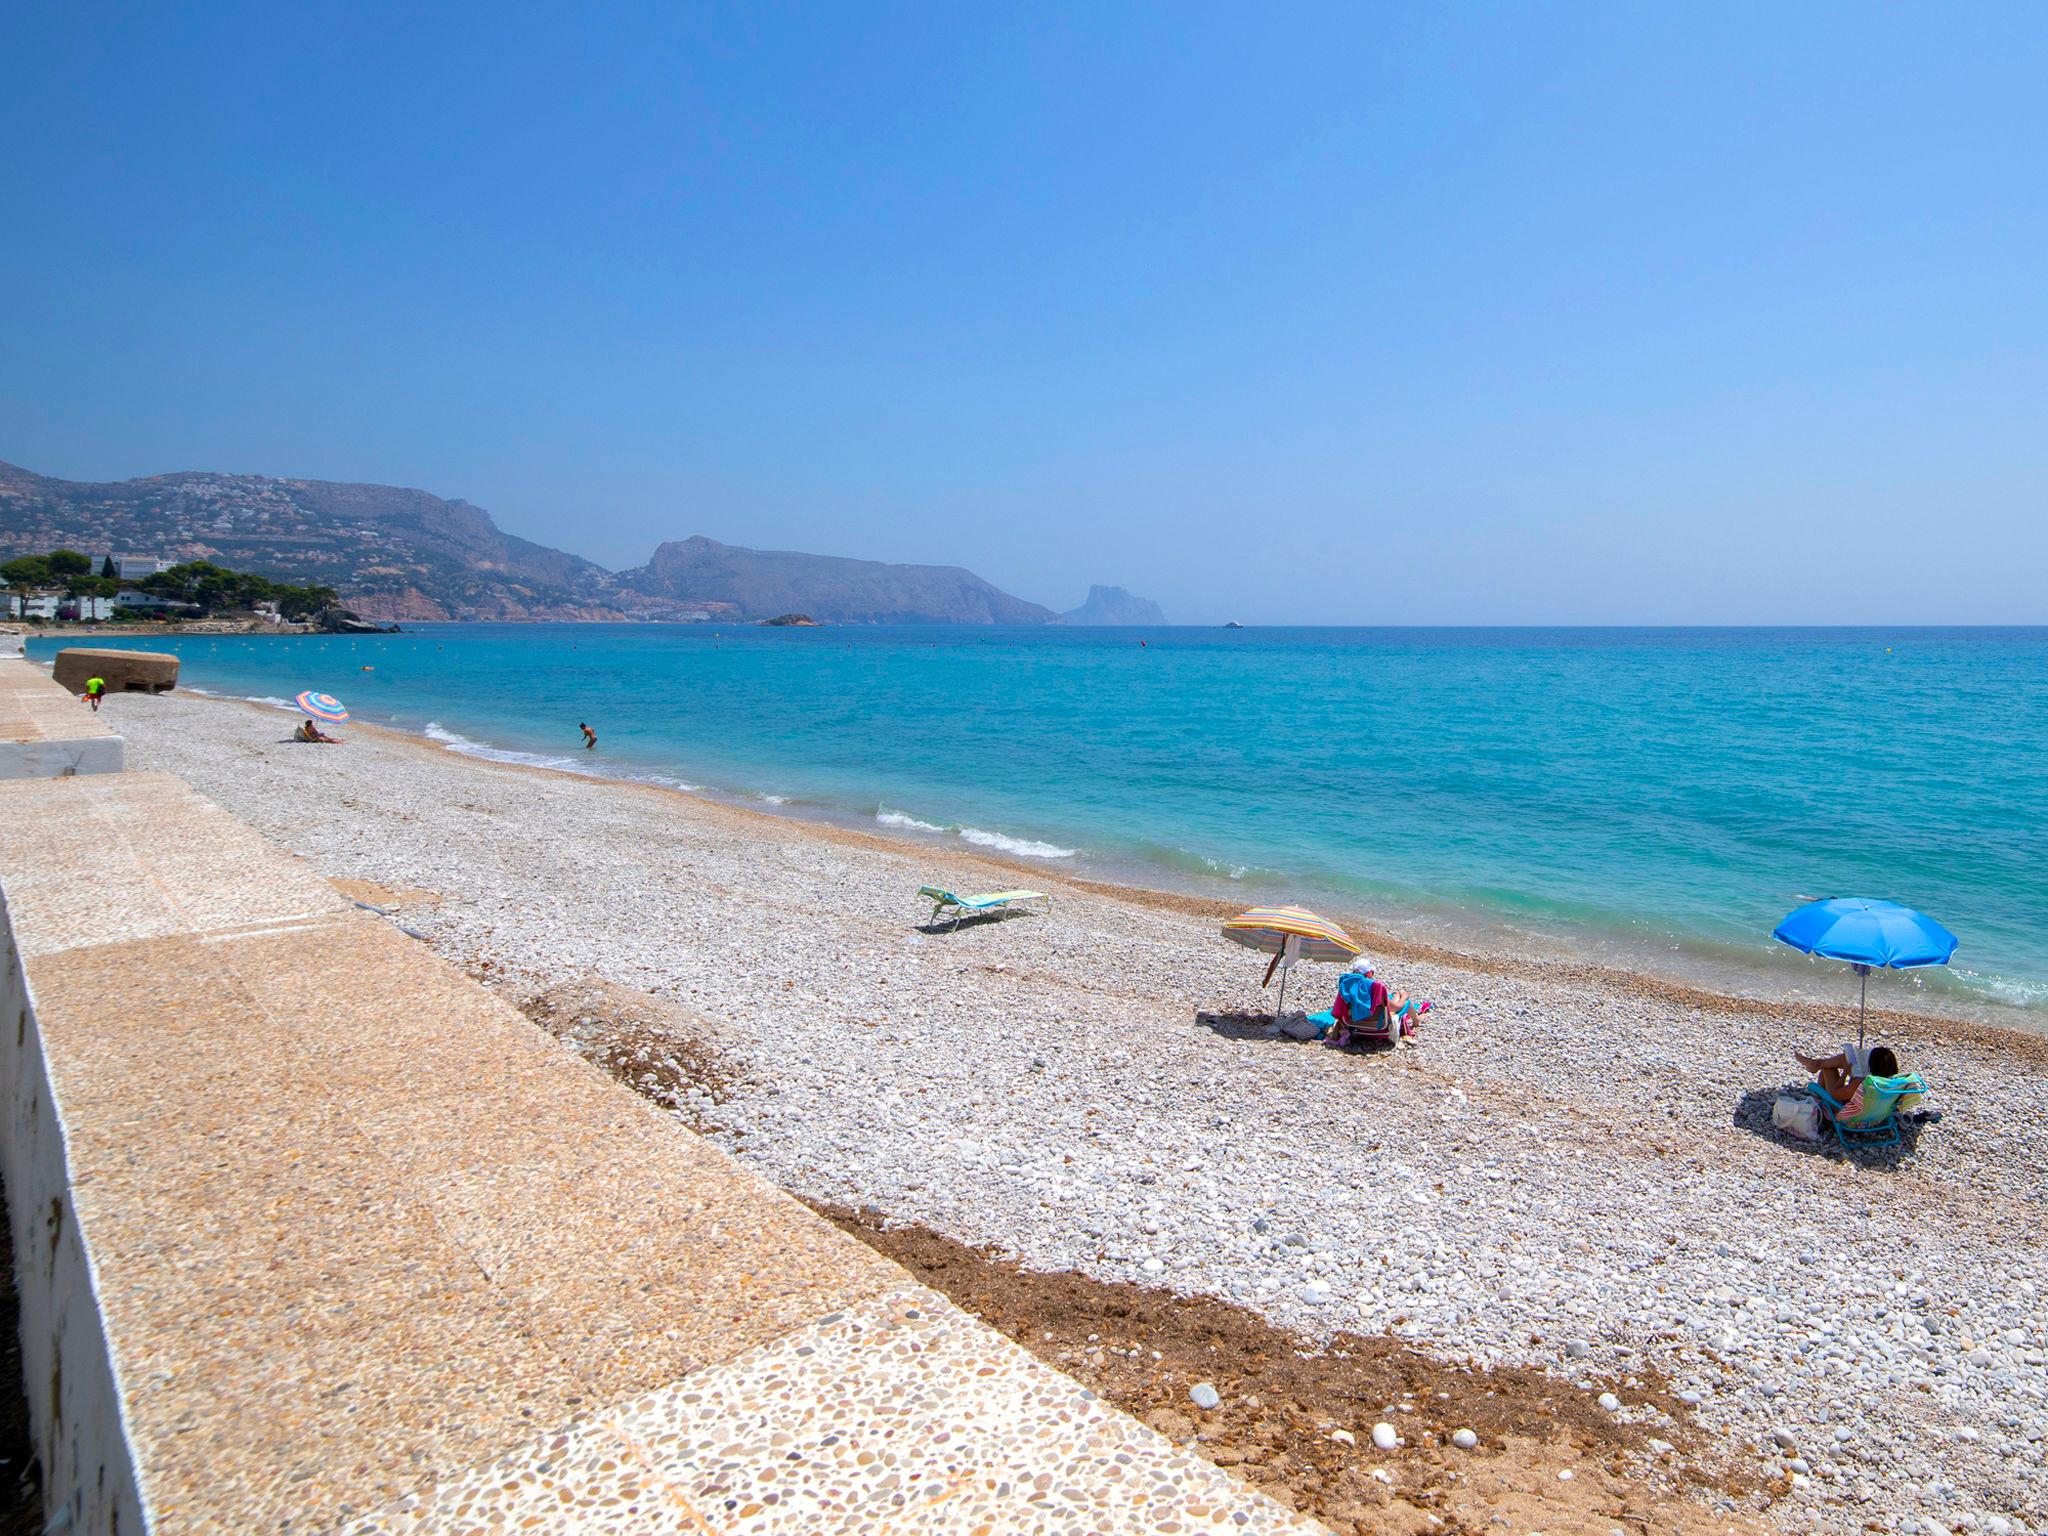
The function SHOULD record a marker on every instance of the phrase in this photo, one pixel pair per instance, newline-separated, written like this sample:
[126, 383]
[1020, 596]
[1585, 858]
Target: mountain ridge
[832, 588]
[397, 553]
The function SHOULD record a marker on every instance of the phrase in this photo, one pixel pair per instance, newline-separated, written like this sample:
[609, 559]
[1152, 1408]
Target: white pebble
[1384, 1437]
[1205, 1395]
[1464, 1440]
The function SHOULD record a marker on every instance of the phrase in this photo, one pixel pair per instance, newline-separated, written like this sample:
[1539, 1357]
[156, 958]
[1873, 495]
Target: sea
[1655, 799]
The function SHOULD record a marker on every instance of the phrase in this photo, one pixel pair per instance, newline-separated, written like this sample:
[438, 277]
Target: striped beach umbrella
[323, 706]
[1289, 934]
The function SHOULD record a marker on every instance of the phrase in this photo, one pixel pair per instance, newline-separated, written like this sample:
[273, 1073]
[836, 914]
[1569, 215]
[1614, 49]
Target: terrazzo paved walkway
[373, 1254]
[46, 731]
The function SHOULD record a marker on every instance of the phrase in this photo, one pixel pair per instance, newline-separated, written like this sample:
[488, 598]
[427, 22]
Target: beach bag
[1797, 1115]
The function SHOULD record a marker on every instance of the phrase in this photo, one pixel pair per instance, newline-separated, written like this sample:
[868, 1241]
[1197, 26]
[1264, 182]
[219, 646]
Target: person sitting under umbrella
[1366, 1007]
[1839, 1078]
[308, 731]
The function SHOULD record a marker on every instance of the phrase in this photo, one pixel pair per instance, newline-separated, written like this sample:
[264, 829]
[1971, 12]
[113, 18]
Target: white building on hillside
[135, 567]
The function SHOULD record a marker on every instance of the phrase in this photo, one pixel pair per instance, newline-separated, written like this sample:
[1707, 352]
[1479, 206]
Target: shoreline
[1381, 943]
[1556, 929]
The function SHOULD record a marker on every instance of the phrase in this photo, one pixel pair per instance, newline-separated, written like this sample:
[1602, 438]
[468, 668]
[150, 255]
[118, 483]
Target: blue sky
[1545, 313]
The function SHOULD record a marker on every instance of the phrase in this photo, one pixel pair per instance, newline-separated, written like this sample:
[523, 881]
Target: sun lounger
[945, 904]
[1884, 1100]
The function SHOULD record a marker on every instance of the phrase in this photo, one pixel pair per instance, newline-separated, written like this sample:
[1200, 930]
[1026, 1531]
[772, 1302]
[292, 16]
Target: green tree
[65, 563]
[303, 602]
[25, 575]
[28, 571]
[110, 570]
[201, 583]
[90, 586]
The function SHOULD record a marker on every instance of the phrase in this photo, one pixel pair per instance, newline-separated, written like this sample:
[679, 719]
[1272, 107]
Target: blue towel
[1355, 987]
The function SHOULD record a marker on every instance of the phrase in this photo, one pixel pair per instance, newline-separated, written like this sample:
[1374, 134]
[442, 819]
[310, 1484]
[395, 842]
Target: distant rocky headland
[394, 554]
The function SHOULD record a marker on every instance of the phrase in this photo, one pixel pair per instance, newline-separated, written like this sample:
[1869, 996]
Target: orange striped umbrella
[1267, 929]
[1288, 934]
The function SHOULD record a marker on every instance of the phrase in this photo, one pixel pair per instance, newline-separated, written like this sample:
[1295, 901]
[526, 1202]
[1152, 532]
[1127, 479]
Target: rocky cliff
[762, 582]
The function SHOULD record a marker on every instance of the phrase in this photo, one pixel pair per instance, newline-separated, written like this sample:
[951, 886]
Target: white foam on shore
[666, 782]
[1019, 847]
[433, 730]
[270, 701]
[2013, 991]
[1024, 847]
[907, 823]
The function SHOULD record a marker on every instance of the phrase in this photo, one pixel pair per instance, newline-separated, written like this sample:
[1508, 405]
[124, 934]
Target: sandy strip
[1573, 1169]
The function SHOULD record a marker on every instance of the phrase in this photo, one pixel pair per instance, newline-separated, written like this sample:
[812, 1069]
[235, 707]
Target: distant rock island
[1113, 605]
[791, 621]
[396, 554]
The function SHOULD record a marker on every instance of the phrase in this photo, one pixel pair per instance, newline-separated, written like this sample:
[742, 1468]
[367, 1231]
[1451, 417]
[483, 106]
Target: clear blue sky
[1558, 313]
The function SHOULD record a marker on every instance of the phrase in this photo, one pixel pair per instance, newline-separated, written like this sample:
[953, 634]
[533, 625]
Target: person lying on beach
[1840, 1077]
[308, 731]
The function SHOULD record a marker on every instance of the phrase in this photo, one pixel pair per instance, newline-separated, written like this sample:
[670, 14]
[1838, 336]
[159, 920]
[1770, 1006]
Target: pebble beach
[1570, 1168]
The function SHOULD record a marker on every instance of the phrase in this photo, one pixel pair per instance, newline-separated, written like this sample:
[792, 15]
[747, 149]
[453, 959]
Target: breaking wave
[1001, 842]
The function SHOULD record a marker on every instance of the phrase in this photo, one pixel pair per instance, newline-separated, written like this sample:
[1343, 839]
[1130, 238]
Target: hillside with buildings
[391, 553]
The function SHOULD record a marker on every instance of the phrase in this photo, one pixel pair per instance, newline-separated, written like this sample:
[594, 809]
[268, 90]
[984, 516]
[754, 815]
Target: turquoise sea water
[1649, 797]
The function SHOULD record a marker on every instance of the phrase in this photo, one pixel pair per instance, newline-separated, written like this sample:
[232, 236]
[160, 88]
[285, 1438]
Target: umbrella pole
[1862, 1000]
[1289, 953]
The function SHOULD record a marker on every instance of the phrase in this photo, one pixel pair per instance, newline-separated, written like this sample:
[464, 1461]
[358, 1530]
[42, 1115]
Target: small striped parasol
[323, 706]
[1289, 934]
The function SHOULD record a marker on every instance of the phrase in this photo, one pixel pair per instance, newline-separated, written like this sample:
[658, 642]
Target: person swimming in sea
[589, 736]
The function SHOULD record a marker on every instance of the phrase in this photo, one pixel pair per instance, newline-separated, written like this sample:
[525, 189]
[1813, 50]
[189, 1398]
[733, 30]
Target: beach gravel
[1567, 1169]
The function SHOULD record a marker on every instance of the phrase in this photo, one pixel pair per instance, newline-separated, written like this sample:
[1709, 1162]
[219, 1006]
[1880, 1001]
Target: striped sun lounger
[945, 904]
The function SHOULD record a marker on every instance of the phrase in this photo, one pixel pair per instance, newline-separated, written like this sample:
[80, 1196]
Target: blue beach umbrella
[1867, 934]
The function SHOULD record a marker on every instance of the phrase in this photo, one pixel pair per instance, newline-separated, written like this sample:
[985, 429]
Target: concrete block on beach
[125, 671]
[47, 733]
[314, 1234]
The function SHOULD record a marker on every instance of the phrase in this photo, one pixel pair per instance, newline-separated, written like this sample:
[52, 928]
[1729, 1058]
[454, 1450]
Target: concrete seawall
[314, 1234]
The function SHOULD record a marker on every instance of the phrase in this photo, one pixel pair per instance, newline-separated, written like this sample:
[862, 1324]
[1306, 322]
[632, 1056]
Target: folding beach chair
[946, 904]
[1884, 1100]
